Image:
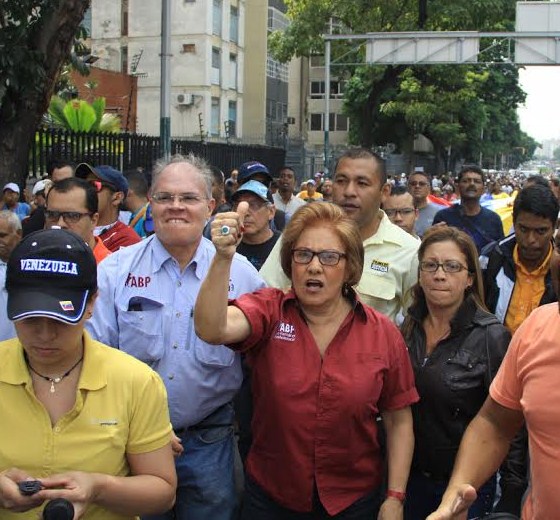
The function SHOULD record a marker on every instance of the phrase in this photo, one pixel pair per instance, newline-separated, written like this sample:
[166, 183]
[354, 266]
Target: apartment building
[207, 47]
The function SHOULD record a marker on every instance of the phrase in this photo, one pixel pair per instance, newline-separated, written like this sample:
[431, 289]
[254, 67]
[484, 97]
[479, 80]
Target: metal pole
[326, 116]
[165, 86]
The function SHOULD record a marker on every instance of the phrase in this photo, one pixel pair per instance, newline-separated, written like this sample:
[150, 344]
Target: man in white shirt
[284, 198]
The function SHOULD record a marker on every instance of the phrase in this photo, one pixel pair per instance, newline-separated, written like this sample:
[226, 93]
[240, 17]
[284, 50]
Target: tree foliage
[78, 115]
[35, 40]
[468, 110]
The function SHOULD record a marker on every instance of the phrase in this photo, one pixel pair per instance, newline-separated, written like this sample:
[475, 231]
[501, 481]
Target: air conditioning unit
[184, 99]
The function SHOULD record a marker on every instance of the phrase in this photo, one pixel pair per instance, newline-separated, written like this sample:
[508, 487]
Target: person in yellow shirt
[310, 194]
[86, 422]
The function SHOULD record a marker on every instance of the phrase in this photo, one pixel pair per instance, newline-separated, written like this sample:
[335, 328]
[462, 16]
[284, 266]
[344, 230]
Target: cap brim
[62, 305]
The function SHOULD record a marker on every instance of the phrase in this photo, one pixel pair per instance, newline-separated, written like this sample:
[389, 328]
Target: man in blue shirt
[11, 194]
[482, 224]
[146, 298]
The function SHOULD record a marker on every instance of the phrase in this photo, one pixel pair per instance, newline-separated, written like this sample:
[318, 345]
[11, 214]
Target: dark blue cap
[248, 169]
[105, 173]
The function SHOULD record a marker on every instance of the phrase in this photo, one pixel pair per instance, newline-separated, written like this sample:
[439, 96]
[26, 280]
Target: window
[318, 89]
[217, 17]
[337, 122]
[317, 60]
[234, 25]
[276, 70]
[277, 20]
[216, 66]
[215, 116]
[232, 119]
[124, 17]
[233, 71]
[316, 122]
[124, 59]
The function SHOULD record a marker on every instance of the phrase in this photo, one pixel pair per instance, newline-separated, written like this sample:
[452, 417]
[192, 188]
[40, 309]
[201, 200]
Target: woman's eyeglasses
[449, 266]
[305, 256]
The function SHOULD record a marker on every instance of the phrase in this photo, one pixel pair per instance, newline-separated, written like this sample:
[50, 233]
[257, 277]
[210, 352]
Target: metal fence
[129, 151]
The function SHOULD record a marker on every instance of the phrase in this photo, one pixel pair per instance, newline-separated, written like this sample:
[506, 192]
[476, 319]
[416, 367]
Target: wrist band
[399, 495]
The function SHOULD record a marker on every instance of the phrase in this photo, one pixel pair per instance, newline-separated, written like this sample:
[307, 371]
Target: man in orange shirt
[72, 204]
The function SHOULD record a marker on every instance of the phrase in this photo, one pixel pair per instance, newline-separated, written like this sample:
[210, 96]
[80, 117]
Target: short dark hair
[55, 163]
[398, 189]
[423, 173]
[71, 183]
[286, 167]
[537, 200]
[473, 168]
[364, 153]
[536, 179]
[137, 182]
[217, 174]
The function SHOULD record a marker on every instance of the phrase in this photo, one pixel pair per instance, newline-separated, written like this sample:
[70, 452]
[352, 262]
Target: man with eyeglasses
[258, 239]
[145, 307]
[72, 204]
[419, 186]
[482, 224]
[400, 209]
[112, 188]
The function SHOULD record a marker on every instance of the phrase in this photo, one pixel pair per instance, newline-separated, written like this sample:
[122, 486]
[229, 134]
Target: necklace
[54, 380]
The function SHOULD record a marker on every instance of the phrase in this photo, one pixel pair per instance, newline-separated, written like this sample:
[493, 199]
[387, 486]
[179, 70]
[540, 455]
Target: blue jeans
[423, 496]
[206, 489]
[257, 505]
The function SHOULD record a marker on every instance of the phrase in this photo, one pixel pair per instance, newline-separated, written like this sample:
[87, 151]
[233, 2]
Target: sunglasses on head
[99, 185]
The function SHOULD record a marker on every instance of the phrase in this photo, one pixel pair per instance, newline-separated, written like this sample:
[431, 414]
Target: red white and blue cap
[51, 273]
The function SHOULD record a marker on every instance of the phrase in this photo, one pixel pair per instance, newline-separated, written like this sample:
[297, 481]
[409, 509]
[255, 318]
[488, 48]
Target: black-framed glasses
[99, 185]
[326, 257]
[167, 199]
[70, 217]
[449, 266]
[404, 212]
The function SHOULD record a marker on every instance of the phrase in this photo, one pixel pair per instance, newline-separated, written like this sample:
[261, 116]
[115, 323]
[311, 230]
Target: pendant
[52, 386]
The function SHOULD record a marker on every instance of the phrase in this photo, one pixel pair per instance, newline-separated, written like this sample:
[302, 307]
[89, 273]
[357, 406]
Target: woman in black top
[456, 347]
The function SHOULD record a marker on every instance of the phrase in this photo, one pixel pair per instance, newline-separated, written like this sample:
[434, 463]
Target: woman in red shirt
[324, 366]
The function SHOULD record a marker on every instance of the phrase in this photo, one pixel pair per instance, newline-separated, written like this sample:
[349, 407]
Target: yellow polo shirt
[527, 291]
[121, 407]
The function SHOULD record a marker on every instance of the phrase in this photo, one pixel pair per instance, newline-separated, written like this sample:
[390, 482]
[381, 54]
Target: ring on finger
[224, 230]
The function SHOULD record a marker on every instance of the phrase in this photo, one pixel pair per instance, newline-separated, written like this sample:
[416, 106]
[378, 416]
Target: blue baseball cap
[248, 169]
[256, 188]
[105, 173]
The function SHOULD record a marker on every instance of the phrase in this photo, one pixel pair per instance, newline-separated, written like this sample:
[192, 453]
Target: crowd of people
[181, 345]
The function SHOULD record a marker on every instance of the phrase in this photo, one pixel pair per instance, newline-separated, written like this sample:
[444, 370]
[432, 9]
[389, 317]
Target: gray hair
[198, 163]
[12, 219]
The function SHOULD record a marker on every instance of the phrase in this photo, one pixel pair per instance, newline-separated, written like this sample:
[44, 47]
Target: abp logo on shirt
[285, 332]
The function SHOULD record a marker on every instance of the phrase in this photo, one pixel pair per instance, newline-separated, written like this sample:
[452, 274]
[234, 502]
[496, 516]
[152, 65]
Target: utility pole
[326, 115]
[165, 85]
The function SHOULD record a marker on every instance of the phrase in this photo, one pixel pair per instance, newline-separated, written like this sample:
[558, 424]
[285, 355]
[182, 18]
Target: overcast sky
[540, 117]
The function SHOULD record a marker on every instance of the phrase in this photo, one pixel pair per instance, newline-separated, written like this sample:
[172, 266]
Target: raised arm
[215, 321]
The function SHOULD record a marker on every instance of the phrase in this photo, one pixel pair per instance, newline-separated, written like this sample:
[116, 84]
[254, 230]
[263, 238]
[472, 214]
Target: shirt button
[170, 376]
[179, 283]
[57, 429]
[177, 314]
[175, 345]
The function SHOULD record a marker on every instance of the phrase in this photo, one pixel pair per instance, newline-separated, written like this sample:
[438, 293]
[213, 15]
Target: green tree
[36, 38]
[451, 105]
[556, 154]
